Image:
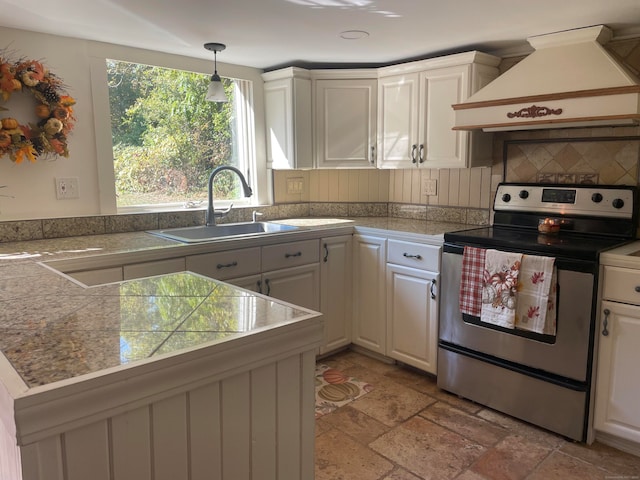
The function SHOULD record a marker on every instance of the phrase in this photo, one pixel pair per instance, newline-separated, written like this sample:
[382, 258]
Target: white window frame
[253, 96]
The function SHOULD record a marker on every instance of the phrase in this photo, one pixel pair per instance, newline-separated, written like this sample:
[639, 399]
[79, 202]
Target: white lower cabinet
[396, 299]
[618, 382]
[296, 285]
[335, 291]
[369, 298]
[412, 316]
[148, 269]
[252, 282]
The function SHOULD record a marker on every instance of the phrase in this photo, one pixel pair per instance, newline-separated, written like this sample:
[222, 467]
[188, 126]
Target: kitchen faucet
[211, 213]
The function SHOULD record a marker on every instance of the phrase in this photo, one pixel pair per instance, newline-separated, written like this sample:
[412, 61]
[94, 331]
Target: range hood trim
[525, 97]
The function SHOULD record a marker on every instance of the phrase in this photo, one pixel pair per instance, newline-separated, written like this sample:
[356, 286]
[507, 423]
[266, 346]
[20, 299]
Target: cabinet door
[288, 123]
[442, 147]
[398, 121]
[369, 299]
[252, 282]
[335, 291]
[618, 382]
[346, 123]
[297, 285]
[412, 316]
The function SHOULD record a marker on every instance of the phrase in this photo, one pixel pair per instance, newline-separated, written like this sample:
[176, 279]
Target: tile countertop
[626, 256]
[53, 329]
[53, 333]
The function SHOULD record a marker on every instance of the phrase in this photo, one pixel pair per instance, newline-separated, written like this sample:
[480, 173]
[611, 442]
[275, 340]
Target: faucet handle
[255, 214]
[222, 213]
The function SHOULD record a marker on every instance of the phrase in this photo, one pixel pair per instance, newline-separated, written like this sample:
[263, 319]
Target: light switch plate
[67, 188]
[295, 185]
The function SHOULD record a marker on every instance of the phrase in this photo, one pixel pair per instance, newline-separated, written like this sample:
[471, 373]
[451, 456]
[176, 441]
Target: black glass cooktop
[563, 244]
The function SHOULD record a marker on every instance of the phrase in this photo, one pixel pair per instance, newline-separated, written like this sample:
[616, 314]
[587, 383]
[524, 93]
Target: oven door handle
[605, 322]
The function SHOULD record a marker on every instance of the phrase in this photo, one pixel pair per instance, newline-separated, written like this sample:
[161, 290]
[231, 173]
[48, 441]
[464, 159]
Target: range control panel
[592, 200]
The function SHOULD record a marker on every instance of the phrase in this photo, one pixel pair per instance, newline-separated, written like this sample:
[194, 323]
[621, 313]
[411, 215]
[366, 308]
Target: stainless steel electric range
[540, 378]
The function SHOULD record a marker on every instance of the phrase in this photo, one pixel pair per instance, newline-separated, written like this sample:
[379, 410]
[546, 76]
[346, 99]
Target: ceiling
[273, 33]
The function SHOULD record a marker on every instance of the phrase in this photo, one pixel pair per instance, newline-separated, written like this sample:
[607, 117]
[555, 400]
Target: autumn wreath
[53, 109]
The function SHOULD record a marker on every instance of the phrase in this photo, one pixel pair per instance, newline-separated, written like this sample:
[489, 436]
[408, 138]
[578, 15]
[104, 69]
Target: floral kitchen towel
[537, 292]
[471, 281]
[499, 288]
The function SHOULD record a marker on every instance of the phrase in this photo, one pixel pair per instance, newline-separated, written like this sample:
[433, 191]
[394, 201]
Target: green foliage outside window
[166, 137]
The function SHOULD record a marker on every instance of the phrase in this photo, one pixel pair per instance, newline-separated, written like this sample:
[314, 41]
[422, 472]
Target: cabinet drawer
[225, 265]
[148, 269]
[291, 254]
[416, 255]
[622, 285]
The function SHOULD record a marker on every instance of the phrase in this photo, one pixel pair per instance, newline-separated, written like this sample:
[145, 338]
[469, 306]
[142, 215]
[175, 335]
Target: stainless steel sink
[204, 233]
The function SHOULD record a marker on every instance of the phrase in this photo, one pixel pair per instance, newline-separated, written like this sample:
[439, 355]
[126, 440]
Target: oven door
[566, 355]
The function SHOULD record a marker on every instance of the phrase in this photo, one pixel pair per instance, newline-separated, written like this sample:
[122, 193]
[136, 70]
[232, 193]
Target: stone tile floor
[408, 429]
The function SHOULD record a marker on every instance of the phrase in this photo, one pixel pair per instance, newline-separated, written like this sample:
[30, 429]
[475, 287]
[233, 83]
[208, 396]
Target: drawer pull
[605, 322]
[289, 255]
[326, 253]
[637, 289]
[220, 266]
[433, 284]
[410, 255]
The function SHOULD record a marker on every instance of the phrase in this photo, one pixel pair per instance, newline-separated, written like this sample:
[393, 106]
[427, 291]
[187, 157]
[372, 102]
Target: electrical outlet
[429, 186]
[67, 188]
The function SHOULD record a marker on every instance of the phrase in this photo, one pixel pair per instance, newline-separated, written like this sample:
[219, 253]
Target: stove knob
[506, 197]
[618, 203]
[523, 194]
[596, 197]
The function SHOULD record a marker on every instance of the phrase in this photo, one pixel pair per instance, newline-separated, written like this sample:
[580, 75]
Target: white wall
[81, 65]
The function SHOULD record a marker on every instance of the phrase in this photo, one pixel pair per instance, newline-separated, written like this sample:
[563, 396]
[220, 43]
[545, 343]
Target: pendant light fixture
[215, 93]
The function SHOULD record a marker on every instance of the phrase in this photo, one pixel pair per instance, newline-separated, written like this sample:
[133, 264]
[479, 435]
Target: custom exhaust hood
[570, 80]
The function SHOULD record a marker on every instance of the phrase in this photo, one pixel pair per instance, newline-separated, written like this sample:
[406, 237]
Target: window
[167, 139]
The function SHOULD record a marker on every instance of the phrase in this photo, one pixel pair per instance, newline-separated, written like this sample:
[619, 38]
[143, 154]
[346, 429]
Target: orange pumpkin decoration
[42, 111]
[9, 123]
[334, 376]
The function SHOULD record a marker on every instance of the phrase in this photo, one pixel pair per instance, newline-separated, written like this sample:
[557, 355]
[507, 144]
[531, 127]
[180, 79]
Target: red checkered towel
[471, 281]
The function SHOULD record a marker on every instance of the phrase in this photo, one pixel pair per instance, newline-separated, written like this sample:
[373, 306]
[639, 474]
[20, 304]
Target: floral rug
[335, 389]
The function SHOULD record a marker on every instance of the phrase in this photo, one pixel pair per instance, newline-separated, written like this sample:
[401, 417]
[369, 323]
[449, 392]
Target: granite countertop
[52, 328]
[55, 331]
[626, 256]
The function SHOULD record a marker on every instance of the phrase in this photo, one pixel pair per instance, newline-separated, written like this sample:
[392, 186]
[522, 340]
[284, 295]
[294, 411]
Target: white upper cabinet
[345, 122]
[415, 114]
[288, 120]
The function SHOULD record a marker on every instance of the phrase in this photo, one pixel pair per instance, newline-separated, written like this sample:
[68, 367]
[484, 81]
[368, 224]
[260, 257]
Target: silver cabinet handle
[410, 255]
[268, 284]
[605, 322]
[259, 284]
[372, 159]
[421, 153]
[433, 284]
[414, 150]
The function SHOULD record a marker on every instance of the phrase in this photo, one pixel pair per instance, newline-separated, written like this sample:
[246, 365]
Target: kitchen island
[170, 377]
